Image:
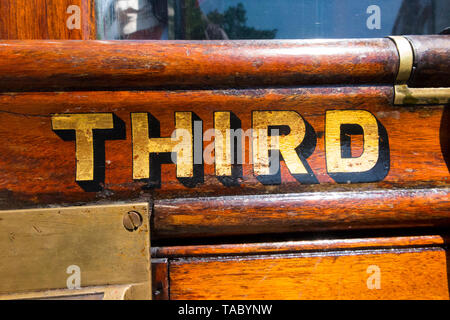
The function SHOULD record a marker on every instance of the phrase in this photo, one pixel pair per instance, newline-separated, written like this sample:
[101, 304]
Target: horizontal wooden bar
[123, 65]
[311, 211]
[118, 65]
[412, 273]
[431, 61]
[295, 246]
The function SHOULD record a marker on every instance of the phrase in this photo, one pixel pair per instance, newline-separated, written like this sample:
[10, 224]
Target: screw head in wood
[132, 220]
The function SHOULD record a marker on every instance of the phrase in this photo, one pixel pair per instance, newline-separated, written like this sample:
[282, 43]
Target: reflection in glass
[268, 19]
[422, 17]
[132, 19]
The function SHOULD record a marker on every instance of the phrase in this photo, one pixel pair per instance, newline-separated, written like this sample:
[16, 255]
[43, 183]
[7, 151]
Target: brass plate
[44, 249]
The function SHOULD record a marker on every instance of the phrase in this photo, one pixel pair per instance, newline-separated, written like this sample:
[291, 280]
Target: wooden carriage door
[348, 197]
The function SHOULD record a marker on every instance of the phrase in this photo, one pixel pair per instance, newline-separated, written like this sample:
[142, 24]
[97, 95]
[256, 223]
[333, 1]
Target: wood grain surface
[308, 211]
[38, 166]
[138, 65]
[160, 279]
[123, 65]
[404, 274]
[406, 267]
[45, 19]
[258, 248]
[431, 60]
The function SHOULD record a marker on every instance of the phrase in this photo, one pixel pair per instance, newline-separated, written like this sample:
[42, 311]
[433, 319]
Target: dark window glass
[268, 19]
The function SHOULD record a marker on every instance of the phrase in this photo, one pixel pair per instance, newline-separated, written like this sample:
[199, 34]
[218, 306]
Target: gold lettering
[181, 143]
[262, 120]
[83, 124]
[334, 119]
[222, 143]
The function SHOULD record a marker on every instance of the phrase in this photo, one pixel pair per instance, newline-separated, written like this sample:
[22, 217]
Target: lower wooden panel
[409, 273]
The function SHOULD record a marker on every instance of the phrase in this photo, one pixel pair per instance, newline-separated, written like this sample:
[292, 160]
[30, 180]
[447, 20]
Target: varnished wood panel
[404, 274]
[45, 19]
[37, 166]
[45, 163]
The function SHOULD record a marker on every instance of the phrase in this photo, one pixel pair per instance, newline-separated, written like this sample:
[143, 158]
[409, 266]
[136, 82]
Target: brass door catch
[403, 94]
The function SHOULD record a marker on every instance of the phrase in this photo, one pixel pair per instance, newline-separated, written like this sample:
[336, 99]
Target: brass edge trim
[406, 58]
[403, 94]
[134, 291]
[407, 95]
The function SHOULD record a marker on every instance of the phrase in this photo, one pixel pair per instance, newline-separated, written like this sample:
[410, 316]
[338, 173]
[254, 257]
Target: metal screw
[132, 220]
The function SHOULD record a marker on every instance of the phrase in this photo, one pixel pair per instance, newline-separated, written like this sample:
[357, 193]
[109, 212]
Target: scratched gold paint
[83, 124]
[222, 143]
[334, 160]
[181, 143]
[285, 143]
